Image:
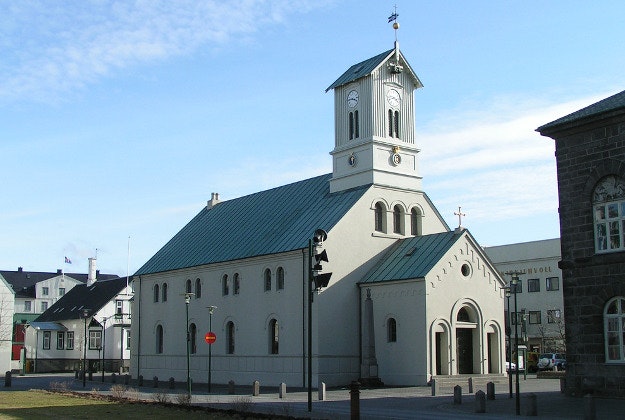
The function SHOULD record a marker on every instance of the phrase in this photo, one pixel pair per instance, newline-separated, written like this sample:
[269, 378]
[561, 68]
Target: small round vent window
[465, 270]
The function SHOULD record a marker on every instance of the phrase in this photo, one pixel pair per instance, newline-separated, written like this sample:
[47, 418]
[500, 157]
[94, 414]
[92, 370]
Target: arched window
[159, 339]
[198, 288]
[193, 338]
[396, 124]
[230, 337]
[613, 320]
[356, 125]
[398, 219]
[164, 292]
[280, 278]
[273, 336]
[351, 125]
[379, 217]
[237, 284]
[609, 214]
[225, 285]
[415, 221]
[391, 330]
[188, 287]
[390, 123]
[463, 315]
[267, 278]
[156, 292]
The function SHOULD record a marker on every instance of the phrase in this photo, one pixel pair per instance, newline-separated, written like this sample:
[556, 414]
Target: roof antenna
[395, 67]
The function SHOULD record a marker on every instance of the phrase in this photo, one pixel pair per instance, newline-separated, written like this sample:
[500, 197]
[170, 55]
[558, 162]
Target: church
[408, 298]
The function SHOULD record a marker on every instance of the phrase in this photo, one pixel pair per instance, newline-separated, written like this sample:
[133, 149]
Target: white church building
[408, 299]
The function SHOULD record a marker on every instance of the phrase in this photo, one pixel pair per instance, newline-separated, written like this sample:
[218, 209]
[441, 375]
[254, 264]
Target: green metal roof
[360, 70]
[412, 258]
[277, 220]
[612, 103]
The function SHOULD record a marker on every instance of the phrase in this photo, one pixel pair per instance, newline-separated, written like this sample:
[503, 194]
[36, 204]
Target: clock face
[352, 98]
[393, 98]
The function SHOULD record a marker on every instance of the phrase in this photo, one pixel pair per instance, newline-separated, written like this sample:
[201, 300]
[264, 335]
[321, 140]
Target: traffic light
[318, 255]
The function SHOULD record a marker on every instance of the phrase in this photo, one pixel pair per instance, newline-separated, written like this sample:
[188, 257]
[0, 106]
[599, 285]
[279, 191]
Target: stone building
[590, 156]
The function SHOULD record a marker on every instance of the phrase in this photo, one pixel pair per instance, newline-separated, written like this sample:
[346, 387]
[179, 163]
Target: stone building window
[553, 283]
[613, 319]
[609, 214]
[533, 285]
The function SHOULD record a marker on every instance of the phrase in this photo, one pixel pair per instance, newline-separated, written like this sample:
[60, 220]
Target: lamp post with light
[508, 331]
[85, 314]
[187, 300]
[514, 282]
[211, 309]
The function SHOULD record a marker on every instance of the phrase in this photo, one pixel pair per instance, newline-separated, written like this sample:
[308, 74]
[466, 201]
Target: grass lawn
[41, 404]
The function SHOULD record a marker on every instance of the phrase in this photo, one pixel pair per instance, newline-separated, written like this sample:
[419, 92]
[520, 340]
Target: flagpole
[128, 265]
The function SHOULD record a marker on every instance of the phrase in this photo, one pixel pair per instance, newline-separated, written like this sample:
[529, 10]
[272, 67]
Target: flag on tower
[67, 261]
[392, 17]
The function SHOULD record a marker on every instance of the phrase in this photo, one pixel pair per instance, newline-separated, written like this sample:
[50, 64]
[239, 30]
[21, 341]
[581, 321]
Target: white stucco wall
[7, 309]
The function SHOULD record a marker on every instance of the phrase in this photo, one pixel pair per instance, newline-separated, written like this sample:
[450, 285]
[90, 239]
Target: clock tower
[374, 124]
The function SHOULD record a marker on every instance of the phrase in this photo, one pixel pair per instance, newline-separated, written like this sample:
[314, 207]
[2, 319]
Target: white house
[7, 309]
[99, 311]
[408, 299]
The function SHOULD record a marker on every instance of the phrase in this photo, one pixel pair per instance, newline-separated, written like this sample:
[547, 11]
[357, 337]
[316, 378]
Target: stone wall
[585, 154]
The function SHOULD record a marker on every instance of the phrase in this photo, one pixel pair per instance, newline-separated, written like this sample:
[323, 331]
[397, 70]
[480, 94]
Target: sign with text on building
[210, 337]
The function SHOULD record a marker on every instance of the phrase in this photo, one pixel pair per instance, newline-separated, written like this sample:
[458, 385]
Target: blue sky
[118, 119]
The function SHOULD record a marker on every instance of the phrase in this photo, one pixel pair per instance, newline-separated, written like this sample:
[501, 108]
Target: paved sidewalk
[379, 403]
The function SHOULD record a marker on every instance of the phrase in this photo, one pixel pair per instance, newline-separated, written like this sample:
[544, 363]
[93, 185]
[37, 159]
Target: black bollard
[480, 402]
[457, 395]
[7, 378]
[140, 380]
[155, 382]
[354, 400]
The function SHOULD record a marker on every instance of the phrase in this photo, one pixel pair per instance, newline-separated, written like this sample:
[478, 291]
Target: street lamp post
[508, 331]
[514, 282]
[85, 314]
[187, 300]
[103, 344]
[211, 309]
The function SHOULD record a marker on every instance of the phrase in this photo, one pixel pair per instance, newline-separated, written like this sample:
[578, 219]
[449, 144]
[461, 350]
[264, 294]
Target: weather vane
[393, 18]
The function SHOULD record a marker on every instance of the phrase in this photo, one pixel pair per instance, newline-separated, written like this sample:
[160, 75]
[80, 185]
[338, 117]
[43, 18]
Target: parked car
[552, 361]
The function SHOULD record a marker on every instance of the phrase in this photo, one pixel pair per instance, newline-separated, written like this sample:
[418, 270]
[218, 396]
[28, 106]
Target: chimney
[19, 269]
[91, 275]
[213, 201]
[59, 271]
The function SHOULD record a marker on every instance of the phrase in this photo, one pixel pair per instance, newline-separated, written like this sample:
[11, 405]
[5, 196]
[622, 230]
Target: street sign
[210, 337]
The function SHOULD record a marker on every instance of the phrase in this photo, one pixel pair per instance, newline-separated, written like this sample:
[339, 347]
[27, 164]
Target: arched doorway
[440, 340]
[466, 331]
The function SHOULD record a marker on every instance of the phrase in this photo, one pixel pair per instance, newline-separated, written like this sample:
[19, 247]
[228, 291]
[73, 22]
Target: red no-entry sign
[210, 337]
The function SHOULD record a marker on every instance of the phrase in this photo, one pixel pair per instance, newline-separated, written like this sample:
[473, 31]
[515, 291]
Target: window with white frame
[398, 219]
[609, 214]
[69, 345]
[95, 339]
[380, 217]
[127, 339]
[61, 291]
[27, 306]
[60, 340]
[552, 283]
[44, 306]
[119, 308]
[45, 291]
[46, 340]
[613, 324]
[415, 221]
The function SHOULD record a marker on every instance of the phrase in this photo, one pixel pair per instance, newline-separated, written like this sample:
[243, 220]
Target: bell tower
[374, 124]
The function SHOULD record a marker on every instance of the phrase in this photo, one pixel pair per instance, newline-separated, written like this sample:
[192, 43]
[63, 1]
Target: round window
[465, 270]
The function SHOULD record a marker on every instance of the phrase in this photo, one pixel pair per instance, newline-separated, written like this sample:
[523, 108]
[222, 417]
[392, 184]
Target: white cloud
[492, 162]
[75, 43]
